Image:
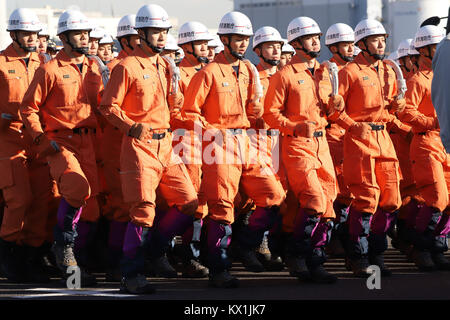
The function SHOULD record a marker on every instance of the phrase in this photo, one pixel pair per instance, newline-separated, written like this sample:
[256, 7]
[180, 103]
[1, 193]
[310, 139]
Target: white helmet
[266, 34]
[44, 31]
[171, 43]
[126, 26]
[73, 20]
[24, 19]
[106, 39]
[302, 26]
[412, 50]
[152, 16]
[97, 33]
[339, 32]
[193, 31]
[403, 48]
[214, 42]
[219, 48]
[235, 23]
[369, 27]
[287, 48]
[427, 35]
[393, 56]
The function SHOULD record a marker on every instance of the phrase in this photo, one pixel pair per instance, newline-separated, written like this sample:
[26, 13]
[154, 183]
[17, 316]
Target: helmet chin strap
[199, 59]
[312, 54]
[345, 58]
[24, 48]
[402, 59]
[271, 62]
[128, 45]
[155, 49]
[80, 50]
[373, 55]
[234, 53]
[429, 53]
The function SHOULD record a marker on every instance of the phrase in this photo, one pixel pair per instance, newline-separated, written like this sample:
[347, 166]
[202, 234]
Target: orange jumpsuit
[401, 138]
[137, 92]
[430, 162]
[25, 181]
[273, 147]
[115, 208]
[186, 143]
[295, 95]
[219, 100]
[371, 168]
[60, 101]
[335, 138]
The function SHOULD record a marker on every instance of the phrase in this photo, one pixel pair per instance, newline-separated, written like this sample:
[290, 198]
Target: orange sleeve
[411, 115]
[274, 105]
[34, 97]
[113, 96]
[194, 98]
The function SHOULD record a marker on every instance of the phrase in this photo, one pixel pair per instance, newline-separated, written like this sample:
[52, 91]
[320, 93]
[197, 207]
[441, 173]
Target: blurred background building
[401, 18]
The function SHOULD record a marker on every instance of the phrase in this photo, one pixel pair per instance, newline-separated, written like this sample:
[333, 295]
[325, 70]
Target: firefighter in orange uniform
[340, 41]
[402, 142]
[219, 99]
[137, 100]
[57, 110]
[371, 168]
[430, 162]
[296, 104]
[25, 182]
[115, 208]
[267, 44]
[193, 38]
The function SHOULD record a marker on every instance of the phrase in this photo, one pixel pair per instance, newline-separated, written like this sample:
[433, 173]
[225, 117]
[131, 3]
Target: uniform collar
[11, 54]
[64, 59]
[144, 60]
[362, 62]
[263, 74]
[338, 60]
[226, 67]
[300, 66]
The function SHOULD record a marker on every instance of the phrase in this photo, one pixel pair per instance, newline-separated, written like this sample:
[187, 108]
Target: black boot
[35, 271]
[377, 246]
[441, 262]
[223, 279]
[137, 284]
[9, 265]
[359, 266]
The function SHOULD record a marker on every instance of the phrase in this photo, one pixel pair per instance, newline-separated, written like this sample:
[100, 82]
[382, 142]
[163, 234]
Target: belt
[377, 127]
[158, 136]
[83, 130]
[78, 130]
[318, 134]
[235, 131]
